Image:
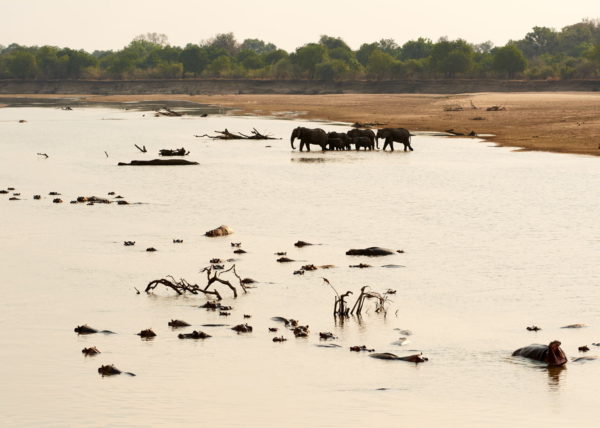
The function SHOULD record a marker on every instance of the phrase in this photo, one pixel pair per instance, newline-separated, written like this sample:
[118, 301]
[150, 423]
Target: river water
[493, 241]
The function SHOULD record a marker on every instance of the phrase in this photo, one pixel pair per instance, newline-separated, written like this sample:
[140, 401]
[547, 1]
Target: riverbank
[565, 122]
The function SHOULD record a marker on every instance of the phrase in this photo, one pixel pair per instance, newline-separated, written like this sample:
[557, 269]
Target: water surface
[494, 241]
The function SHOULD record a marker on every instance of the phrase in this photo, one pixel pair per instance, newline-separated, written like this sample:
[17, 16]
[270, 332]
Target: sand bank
[566, 122]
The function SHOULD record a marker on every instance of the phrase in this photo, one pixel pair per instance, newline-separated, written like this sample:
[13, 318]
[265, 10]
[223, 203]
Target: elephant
[309, 136]
[364, 133]
[335, 143]
[345, 139]
[365, 142]
[551, 354]
[390, 135]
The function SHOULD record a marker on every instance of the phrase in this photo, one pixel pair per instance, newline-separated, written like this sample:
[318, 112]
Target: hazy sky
[111, 24]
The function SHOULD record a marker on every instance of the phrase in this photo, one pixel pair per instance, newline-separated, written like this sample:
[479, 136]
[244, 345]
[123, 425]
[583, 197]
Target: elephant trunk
[294, 135]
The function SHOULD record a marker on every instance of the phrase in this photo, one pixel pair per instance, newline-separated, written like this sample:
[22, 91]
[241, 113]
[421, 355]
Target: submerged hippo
[196, 334]
[371, 251]
[551, 354]
[86, 329]
[111, 370]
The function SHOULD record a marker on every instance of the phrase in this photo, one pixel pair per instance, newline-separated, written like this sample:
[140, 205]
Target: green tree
[257, 46]
[365, 51]
[510, 60]
[250, 60]
[194, 59]
[380, 65]
[221, 67]
[416, 49]
[22, 64]
[224, 41]
[307, 57]
[452, 57]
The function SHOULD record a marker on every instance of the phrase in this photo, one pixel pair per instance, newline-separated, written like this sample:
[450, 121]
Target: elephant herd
[361, 138]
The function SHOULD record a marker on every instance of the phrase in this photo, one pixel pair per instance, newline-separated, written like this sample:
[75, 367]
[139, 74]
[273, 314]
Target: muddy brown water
[494, 241]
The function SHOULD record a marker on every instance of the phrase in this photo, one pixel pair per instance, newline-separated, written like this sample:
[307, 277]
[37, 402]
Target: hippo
[279, 339]
[196, 334]
[416, 358]
[219, 231]
[239, 251]
[301, 331]
[242, 328]
[88, 352]
[301, 244]
[86, 329]
[284, 260]
[371, 251]
[552, 354]
[111, 370]
[178, 324]
[361, 348]
[326, 335]
[146, 334]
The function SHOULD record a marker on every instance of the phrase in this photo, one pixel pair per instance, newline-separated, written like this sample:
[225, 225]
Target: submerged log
[155, 162]
[173, 152]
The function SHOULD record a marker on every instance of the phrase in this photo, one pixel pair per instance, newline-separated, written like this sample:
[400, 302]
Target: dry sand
[567, 122]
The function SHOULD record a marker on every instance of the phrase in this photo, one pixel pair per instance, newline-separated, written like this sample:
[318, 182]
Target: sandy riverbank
[567, 122]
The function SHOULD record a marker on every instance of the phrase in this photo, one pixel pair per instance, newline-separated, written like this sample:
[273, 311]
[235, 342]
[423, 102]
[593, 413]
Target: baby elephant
[365, 142]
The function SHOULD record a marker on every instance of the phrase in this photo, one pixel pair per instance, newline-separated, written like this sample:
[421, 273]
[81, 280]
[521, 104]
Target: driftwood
[43, 154]
[166, 111]
[182, 286]
[141, 149]
[173, 152]
[226, 135]
[367, 124]
[340, 308]
[156, 162]
[380, 300]
[496, 108]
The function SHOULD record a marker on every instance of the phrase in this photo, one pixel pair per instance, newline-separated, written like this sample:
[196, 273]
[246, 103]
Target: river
[493, 241]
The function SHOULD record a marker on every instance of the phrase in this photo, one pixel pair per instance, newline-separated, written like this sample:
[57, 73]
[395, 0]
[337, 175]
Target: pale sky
[111, 24]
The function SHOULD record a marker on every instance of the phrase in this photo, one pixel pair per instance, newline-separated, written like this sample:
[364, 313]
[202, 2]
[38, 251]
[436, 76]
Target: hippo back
[535, 352]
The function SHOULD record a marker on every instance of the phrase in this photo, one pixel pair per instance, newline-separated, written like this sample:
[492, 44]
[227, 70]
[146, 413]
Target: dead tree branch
[227, 135]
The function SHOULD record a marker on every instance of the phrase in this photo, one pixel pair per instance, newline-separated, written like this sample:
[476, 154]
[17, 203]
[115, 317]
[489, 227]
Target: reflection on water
[487, 252]
[554, 374]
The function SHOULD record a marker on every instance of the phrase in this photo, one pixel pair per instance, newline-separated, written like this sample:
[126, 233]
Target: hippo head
[556, 356]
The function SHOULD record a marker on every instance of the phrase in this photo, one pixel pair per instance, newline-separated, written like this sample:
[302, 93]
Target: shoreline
[561, 122]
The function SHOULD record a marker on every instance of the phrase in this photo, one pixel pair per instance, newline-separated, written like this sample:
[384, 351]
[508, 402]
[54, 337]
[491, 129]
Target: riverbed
[493, 241]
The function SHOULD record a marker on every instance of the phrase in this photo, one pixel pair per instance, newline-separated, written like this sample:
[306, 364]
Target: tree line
[544, 53]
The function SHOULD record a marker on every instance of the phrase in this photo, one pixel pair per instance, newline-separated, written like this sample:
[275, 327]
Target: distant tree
[452, 57]
[224, 41]
[194, 59]
[390, 47]
[257, 46]
[22, 64]
[539, 41]
[154, 38]
[416, 49]
[307, 57]
[333, 43]
[380, 65]
[221, 67]
[483, 48]
[510, 60]
[365, 51]
[250, 60]
[332, 69]
[275, 56]
[76, 62]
